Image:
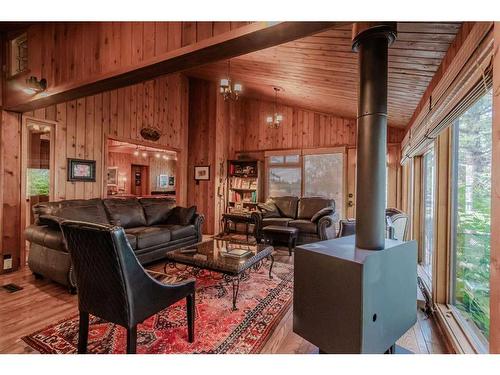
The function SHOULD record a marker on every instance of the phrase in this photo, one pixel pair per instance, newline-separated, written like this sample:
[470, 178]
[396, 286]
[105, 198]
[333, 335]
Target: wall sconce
[35, 86]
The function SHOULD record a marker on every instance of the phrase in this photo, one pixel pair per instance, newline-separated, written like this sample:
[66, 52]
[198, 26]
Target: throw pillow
[181, 215]
[323, 212]
[269, 209]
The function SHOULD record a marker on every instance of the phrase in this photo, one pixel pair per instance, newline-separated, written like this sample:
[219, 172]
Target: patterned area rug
[262, 303]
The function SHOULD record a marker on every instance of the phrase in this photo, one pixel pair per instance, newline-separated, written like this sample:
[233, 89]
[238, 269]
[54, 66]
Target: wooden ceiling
[320, 72]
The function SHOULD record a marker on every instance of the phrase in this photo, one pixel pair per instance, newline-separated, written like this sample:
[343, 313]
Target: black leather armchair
[113, 285]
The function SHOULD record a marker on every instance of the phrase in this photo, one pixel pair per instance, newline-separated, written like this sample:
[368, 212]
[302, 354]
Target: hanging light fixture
[227, 91]
[276, 119]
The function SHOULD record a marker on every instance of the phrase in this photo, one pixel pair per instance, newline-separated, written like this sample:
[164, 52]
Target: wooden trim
[283, 152]
[24, 166]
[454, 333]
[324, 150]
[495, 202]
[239, 41]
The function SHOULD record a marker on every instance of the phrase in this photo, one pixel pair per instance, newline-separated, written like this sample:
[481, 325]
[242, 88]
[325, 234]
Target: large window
[428, 214]
[323, 177]
[310, 175]
[471, 215]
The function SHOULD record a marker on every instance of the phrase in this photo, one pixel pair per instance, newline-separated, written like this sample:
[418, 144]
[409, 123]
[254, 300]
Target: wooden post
[495, 202]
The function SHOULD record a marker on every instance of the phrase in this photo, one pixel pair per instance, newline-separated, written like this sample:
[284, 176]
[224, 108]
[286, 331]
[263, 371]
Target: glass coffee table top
[233, 259]
[223, 256]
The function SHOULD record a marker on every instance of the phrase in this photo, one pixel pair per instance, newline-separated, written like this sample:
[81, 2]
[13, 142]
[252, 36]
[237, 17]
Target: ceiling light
[227, 91]
[276, 119]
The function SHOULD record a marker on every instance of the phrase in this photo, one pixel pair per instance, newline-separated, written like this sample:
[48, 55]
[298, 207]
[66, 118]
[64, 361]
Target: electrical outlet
[7, 261]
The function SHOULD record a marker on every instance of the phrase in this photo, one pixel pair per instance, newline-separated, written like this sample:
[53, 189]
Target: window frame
[475, 338]
[428, 279]
[300, 164]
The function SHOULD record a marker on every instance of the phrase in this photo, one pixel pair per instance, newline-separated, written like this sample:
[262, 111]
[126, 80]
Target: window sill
[460, 338]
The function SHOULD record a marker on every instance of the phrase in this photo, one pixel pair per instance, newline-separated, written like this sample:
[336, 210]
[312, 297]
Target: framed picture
[202, 173]
[112, 179]
[81, 170]
[162, 181]
[171, 180]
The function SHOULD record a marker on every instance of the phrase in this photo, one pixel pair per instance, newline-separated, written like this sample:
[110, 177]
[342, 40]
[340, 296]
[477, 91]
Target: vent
[12, 288]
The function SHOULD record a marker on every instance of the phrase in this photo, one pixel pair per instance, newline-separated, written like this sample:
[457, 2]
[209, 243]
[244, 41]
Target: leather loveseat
[314, 217]
[153, 226]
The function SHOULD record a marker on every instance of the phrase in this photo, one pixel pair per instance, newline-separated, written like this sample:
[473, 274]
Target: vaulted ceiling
[320, 72]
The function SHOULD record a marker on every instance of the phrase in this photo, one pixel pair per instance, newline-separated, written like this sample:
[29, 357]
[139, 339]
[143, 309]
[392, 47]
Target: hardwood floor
[42, 302]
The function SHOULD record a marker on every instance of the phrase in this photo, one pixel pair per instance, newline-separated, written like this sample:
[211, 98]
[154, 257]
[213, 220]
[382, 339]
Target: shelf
[254, 203]
[242, 189]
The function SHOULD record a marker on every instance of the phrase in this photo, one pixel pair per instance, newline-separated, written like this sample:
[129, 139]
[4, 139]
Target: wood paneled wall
[10, 186]
[69, 53]
[82, 127]
[84, 124]
[220, 130]
[300, 128]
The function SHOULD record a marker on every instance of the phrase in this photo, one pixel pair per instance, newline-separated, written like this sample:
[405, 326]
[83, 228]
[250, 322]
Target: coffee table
[212, 255]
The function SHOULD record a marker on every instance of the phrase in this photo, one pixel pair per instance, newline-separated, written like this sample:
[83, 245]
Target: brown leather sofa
[152, 226]
[314, 217]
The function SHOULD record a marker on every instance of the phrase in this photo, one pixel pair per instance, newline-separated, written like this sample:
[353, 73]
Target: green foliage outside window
[38, 182]
[472, 257]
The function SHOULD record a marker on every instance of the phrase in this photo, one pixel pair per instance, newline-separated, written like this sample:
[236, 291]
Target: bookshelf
[244, 185]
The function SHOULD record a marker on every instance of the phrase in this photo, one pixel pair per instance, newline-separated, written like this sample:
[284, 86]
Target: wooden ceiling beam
[246, 39]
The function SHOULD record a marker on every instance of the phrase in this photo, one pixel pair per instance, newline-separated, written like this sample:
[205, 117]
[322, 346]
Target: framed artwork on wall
[112, 179]
[163, 181]
[81, 170]
[202, 173]
[171, 181]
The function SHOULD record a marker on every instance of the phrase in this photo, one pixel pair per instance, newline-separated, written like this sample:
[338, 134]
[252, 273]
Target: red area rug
[262, 303]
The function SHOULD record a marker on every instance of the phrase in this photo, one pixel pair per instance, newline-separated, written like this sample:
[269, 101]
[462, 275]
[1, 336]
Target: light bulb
[157, 155]
[144, 154]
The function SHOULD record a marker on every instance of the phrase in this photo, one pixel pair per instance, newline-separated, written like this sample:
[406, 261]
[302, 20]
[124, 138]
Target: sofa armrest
[53, 222]
[327, 226]
[197, 221]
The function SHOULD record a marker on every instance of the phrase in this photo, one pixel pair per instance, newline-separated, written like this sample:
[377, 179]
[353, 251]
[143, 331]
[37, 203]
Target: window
[310, 175]
[471, 215]
[428, 214]
[324, 177]
[284, 181]
[18, 54]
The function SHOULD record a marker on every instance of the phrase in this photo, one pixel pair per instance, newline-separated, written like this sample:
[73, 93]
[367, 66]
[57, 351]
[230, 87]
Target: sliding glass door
[471, 215]
[429, 190]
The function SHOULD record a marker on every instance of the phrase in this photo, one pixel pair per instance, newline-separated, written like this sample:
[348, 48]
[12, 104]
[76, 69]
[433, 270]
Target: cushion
[286, 205]
[323, 212]
[309, 206]
[305, 226]
[149, 236]
[281, 221]
[269, 209]
[91, 211]
[127, 213]
[178, 232]
[181, 215]
[45, 236]
[157, 209]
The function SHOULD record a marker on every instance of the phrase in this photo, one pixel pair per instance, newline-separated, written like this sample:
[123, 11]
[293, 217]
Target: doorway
[140, 180]
[38, 171]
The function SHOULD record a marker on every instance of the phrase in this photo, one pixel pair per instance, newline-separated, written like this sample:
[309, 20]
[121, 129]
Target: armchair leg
[132, 340]
[83, 333]
[190, 316]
